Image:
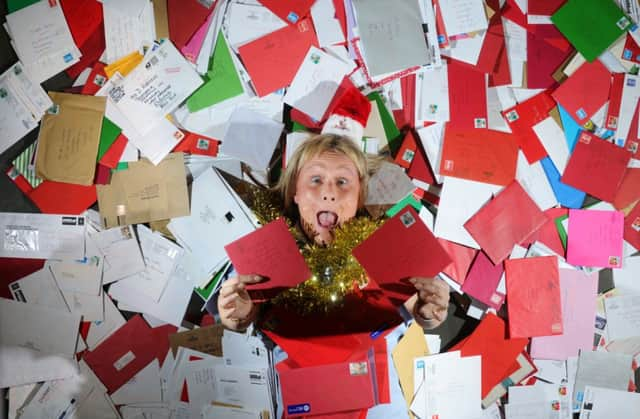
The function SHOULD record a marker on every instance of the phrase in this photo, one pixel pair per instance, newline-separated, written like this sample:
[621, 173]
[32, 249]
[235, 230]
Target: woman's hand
[432, 302]
[235, 307]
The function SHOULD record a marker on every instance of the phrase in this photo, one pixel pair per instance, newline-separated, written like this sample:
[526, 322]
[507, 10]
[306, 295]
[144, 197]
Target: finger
[427, 286]
[440, 303]
[228, 301]
[439, 314]
[251, 279]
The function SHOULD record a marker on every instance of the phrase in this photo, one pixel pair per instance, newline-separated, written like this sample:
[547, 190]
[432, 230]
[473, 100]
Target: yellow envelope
[145, 193]
[124, 65]
[69, 138]
[412, 345]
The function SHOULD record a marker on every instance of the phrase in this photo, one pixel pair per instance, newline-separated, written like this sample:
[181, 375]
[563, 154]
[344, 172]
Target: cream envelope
[45, 330]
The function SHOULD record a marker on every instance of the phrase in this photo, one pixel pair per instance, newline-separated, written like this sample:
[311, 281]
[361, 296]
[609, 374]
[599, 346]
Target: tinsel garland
[336, 272]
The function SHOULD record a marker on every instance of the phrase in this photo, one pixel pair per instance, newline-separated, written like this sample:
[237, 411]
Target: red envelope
[547, 49]
[402, 248]
[467, 97]
[291, 11]
[272, 252]
[461, 256]
[484, 156]
[522, 117]
[505, 221]
[632, 227]
[629, 190]
[97, 78]
[420, 168]
[112, 157]
[596, 167]
[511, 10]
[407, 150]
[63, 198]
[533, 289]
[273, 60]
[84, 18]
[13, 269]
[548, 233]
[405, 116]
[501, 73]
[483, 280]
[186, 17]
[193, 143]
[632, 142]
[615, 98]
[335, 387]
[544, 7]
[498, 352]
[585, 91]
[123, 354]
[91, 51]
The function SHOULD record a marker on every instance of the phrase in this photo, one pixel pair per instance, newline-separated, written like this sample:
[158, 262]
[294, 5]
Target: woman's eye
[342, 182]
[315, 179]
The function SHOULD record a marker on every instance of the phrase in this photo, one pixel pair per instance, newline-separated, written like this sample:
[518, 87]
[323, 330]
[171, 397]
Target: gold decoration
[335, 271]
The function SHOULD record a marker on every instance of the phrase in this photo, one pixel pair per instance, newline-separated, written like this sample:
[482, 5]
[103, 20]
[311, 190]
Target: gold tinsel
[336, 272]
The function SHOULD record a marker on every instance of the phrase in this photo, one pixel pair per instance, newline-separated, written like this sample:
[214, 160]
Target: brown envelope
[206, 339]
[145, 193]
[161, 18]
[69, 138]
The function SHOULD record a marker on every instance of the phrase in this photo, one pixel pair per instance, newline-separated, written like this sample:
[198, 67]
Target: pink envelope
[595, 238]
[482, 281]
[578, 292]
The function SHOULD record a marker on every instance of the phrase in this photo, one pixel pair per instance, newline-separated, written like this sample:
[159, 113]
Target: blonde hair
[315, 146]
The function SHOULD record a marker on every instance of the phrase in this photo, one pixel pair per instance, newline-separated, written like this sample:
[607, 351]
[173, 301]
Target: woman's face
[327, 193]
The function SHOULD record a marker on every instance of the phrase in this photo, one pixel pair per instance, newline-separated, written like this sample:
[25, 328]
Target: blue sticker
[631, 82]
[580, 396]
[633, 27]
[420, 364]
[294, 409]
[581, 113]
[441, 39]
[292, 17]
[626, 54]
[620, 142]
[68, 57]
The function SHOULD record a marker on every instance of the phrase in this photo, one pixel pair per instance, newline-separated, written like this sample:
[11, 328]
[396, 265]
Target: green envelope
[390, 129]
[108, 135]
[13, 5]
[222, 79]
[591, 25]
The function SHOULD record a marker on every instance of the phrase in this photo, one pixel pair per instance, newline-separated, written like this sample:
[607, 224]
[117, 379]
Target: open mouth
[327, 219]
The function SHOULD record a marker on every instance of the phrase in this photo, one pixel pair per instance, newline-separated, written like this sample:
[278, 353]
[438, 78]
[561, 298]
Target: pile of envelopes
[512, 172]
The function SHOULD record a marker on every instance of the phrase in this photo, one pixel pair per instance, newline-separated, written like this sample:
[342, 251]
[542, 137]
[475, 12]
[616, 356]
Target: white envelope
[42, 329]
[623, 316]
[432, 139]
[461, 17]
[316, 82]
[42, 236]
[553, 139]
[534, 180]
[247, 21]
[128, 25]
[84, 276]
[156, 87]
[327, 26]
[122, 255]
[604, 403]
[628, 102]
[144, 387]
[216, 220]
[90, 307]
[99, 331]
[15, 118]
[433, 95]
[242, 387]
[39, 289]
[251, 137]
[160, 257]
[21, 366]
[215, 412]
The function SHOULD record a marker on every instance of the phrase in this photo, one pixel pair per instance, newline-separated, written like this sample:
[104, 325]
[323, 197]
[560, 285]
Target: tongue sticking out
[327, 219]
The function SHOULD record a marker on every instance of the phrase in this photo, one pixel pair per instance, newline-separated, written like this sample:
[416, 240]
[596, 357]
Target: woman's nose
[328, 193]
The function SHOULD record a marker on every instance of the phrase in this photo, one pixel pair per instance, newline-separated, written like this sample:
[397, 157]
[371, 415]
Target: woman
[323, 186]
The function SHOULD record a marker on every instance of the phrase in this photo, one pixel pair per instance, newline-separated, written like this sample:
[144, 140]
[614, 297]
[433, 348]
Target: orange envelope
[505, 221]
[484, 156]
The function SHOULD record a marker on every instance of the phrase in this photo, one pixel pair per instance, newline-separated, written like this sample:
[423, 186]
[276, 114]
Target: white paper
[316, 83]
[326, 24]
[246, 22]
[601, 369]
[42, 236]
[122, 255]
[251, 137]
[42, 39]
[623, 316]
[535, 182]
[99, 331]
[42, 329]
[433, 95]
[516, 48]
[466, 49]
[460, 199]
[242, 387]
[604, 403]
[625, 279]
[16, 120]
[628, 102]
[27, 366]
[215, 412]
[432, 139]
[463, 16]
[553, 139]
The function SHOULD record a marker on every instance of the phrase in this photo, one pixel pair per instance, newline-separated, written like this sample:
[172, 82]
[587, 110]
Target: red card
[498, 352]
[547, 49]
[522, 117]
[193, 143]
[629, 190]
[544, 7]
[533, 289]
[462, 257]
[273, 60]
[511, 10]
[336, 387]
[186, 17]
[402, 248]
[484, 156]
[272, 252]
[123, 354]
[112, 157]
[467, 97]
[84, 17]
[97, 78]
[632, 227]
[291, 11]
[585, 91]
[615, 98]
[596, 167]
[420, 168]
[483, 280]
[548, 233]
[407, 150]
[505, 221]
[91, 51]
[63, 198]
